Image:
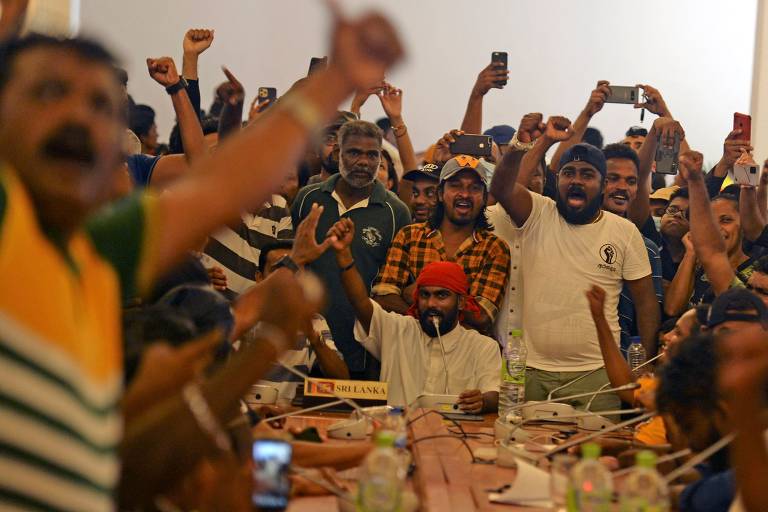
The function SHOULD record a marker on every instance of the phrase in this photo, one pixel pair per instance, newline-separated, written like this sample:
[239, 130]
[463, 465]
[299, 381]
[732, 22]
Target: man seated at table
[427, 351]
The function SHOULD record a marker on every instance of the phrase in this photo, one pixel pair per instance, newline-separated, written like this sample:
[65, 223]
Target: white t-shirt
[412, 362]
[562, 262]
[511, 312]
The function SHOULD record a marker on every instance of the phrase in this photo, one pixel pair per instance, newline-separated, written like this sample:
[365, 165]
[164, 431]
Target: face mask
[657, 223]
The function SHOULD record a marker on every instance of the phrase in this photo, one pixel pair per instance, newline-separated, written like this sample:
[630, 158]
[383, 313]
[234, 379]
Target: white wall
[699, 53]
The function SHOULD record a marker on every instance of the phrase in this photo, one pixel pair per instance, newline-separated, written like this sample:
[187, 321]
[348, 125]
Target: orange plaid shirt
[484, 257]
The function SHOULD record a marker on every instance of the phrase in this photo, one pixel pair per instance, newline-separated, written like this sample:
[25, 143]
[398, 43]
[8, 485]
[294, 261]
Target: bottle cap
[395, 411]
[385, 439]
[635, 339]
[590, 451]
[645, 459]
[518, 333]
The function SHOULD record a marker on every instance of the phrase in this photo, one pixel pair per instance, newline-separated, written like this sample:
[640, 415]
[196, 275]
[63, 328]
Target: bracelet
[348, 267]
[302, 110]
[396, 129]
[205, 419]
[523, 146]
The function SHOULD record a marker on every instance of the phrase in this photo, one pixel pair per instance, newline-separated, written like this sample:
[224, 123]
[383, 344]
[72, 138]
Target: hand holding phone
[271, 462]
[624, 94]
[667, 155]
[501, 64]
[473, 145]
[743, 122]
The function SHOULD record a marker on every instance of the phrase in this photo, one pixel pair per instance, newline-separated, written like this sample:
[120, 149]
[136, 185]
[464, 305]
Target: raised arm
[752, 221]
[762, 192]
[231, 119]
[196, 41]
[619, 372]
[679, 291]
[640, 209]
[594, 105]
[705, 234]
[392, 102]
[513, 172]
[233, 180]
[489, 78]
[732, 147]
[342, 233]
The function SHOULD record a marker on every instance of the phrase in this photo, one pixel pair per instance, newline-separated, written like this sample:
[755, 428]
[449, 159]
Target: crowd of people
[146, 287]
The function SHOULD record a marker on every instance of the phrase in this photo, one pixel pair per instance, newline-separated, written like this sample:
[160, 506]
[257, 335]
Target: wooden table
[445, 478]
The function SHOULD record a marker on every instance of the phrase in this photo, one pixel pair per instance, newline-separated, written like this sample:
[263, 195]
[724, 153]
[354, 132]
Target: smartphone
[271, 462]
[267, 93]
[746, 174]
[624, 94]
[474, 145]
[667, 157]
[743, 122]
[501, 57]
[317, 64]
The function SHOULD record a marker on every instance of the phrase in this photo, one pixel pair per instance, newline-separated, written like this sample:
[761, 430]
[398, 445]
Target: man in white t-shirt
[426, 351]
[568, 245]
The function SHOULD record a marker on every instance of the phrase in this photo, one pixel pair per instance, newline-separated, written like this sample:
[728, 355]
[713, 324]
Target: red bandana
[448, 275]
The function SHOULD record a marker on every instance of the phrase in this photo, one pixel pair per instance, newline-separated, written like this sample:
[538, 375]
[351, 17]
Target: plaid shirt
[484, 257]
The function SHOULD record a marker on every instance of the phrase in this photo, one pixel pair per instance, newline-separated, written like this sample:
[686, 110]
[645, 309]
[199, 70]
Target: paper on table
[530, 488]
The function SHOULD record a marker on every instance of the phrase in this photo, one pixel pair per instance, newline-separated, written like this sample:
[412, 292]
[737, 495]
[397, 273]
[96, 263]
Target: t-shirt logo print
[371, 236]
[608, 254]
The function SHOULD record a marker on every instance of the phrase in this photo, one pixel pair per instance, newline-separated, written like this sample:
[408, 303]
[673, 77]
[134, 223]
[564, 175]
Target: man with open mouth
[568, 245]
[458, 230]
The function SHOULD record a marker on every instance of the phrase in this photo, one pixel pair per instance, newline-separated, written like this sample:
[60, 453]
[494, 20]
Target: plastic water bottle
[396, 424]
[590, 487]
[644, 489]
[513, 357]
[635, 354]
[380, 485]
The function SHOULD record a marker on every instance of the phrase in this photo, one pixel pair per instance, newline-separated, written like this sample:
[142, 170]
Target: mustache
[71, 142]
[621, 194]
[431, 312]
[576, 191]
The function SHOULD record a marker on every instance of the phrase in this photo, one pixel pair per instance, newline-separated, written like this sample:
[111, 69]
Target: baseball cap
[501, 134]
[431, 171]
[461, 162]
[584, 152]
[636, 131]
[735, 304]
[664, 193]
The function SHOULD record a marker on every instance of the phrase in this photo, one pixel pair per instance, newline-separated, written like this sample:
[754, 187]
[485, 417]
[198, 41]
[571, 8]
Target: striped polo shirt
[60, 351]
[236, 249]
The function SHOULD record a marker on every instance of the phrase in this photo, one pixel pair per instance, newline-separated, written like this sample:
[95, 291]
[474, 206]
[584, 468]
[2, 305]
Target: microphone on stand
[436, 323]
[700, 457]
[515, 432]
[543, 410]
[595, 435]
[654, 358]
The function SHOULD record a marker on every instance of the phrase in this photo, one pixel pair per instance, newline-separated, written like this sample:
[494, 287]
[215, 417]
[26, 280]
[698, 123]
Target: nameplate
[358, 389]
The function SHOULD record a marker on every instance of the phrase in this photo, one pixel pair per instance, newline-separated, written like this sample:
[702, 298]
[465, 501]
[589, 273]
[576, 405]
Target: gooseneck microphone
[436, 323]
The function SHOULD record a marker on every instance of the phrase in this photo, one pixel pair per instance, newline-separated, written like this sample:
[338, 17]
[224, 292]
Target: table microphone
[577, 379]
[654, 358]
[590, 420]
[700, 457]
[308, 409]
[595, 435]
[559, 409]
[436, 323]
[530, 409]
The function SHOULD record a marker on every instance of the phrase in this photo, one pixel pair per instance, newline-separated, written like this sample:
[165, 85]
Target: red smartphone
[743, 122]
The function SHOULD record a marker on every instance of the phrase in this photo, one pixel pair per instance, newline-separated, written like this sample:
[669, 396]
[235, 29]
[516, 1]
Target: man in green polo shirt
[354, 193]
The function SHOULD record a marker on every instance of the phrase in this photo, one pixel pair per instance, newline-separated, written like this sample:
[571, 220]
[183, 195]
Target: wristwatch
[523, 146]
[287, 262]
[173, 89]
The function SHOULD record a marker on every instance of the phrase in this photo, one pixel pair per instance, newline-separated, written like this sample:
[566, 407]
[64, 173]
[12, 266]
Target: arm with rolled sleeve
[394, 275]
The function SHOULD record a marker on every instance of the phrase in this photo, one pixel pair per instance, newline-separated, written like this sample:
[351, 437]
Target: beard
[447, 322]
[330, 164]
[354, 180]
[582, 216]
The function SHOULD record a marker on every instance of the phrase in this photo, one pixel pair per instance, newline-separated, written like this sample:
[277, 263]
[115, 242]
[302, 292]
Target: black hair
[272, 246]
[688, 381]
[140, 120]
[593, 136]
[384, 124]
[734, 200]
[732, 193]
[681, 192]
[436, 219]
[618, 150]
[391, 172]
[176, 145]
[86, 49]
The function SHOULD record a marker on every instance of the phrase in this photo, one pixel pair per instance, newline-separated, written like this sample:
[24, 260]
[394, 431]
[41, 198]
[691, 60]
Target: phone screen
[272, 459]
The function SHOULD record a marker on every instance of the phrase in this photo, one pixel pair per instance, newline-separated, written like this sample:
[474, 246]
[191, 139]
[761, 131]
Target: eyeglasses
[676, 211]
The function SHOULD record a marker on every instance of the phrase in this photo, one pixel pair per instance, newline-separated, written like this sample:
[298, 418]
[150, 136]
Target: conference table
[445, 478]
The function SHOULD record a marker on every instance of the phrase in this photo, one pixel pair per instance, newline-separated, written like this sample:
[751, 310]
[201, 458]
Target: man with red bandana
[427, 351]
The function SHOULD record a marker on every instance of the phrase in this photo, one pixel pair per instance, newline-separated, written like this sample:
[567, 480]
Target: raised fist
[597, 97]
[163, 71]
[531, 127]
[558, 128]
[197, 40]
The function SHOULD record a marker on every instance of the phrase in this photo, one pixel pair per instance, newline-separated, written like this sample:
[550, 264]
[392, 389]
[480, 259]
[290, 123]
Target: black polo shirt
[375, 227]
